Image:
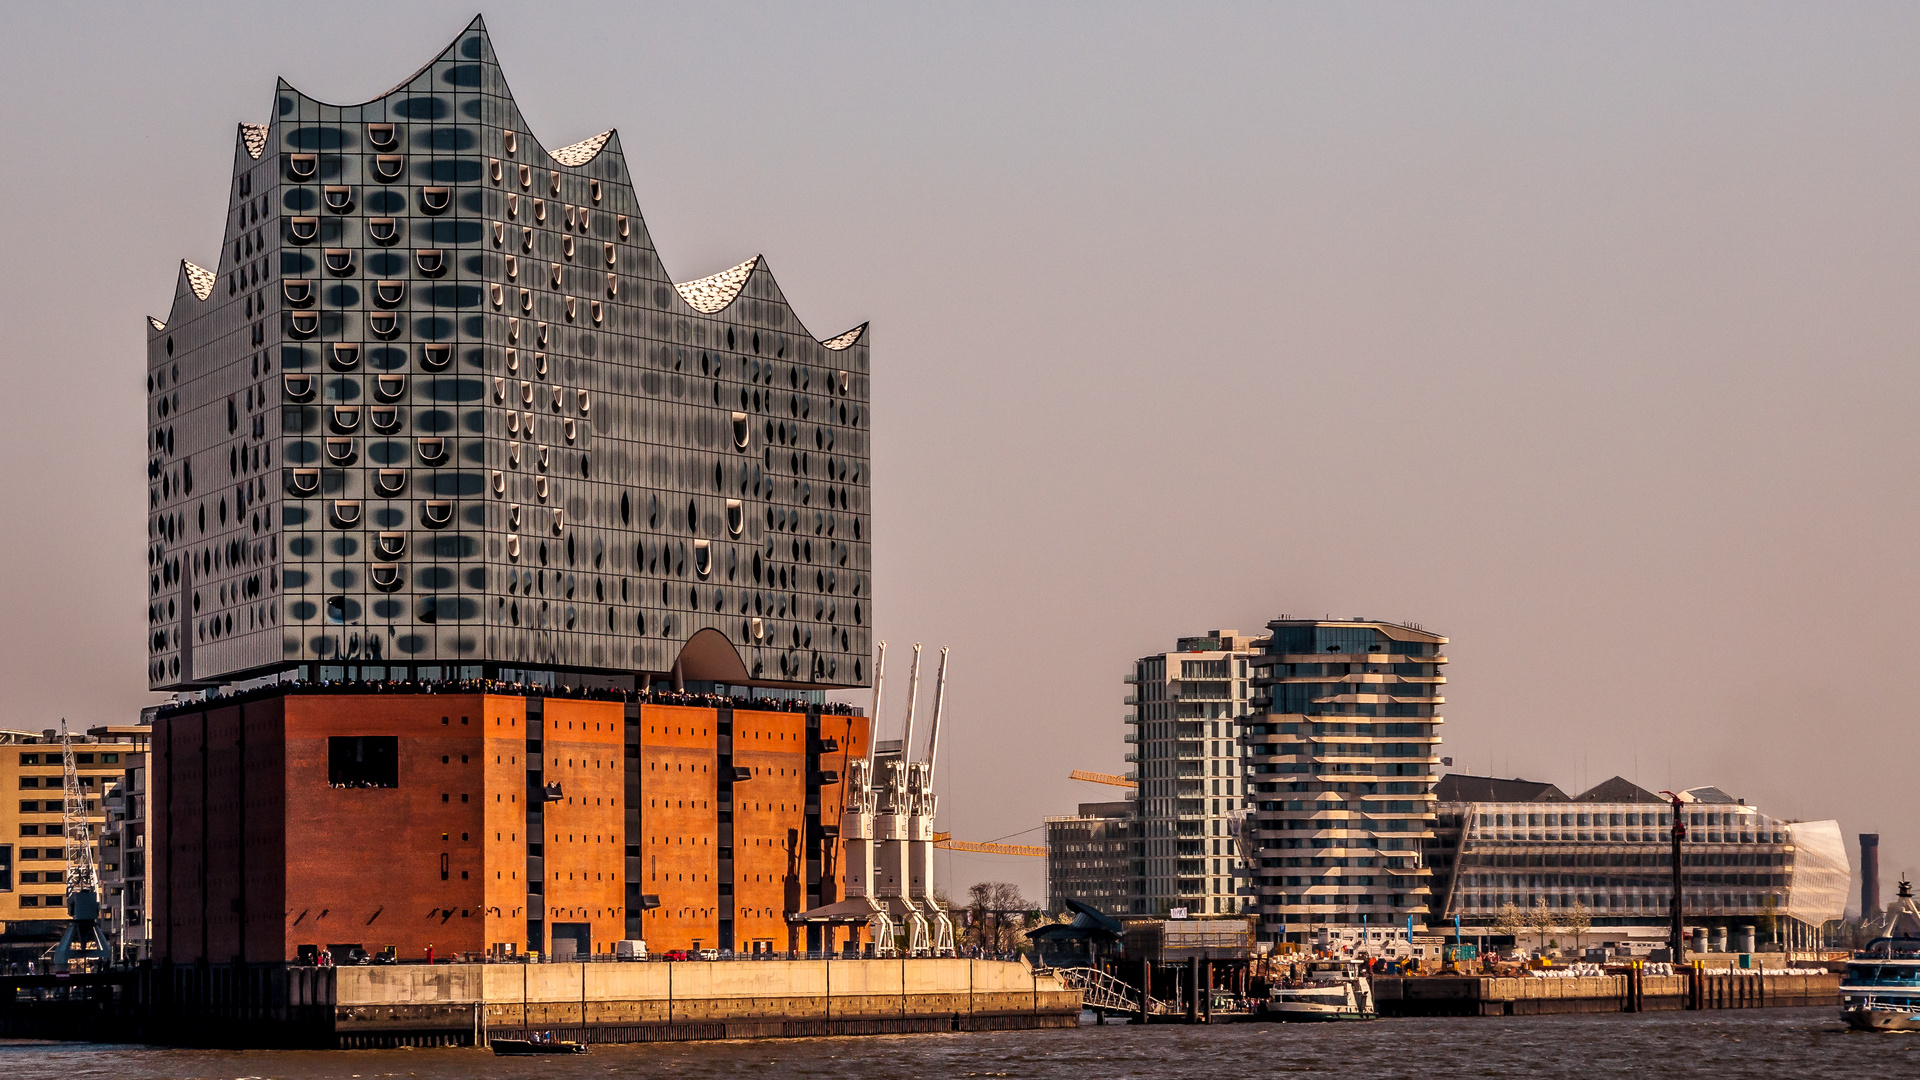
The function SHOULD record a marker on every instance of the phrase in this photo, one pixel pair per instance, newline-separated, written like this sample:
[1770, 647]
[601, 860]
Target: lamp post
[1678, 909]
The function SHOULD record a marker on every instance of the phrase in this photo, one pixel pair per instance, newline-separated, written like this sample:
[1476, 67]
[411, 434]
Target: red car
[675, 954]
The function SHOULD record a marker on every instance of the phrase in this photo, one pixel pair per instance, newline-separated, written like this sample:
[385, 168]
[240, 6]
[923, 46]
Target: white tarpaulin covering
[1822, 876]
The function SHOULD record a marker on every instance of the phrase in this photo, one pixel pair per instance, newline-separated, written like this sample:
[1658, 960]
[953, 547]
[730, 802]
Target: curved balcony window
[433, 451]
[338, 197]
[435, 200]
[384, 324]
[526, 299]
[499, 482]
[389, 293]
[513, 547]
[736, 516]
[540, 361]
[339, 261]
[431, 262]
[435, 357]
[572, 217]
[304, 324]
[526, 393]
[513, 206]
[346, 418]
[303, 167]
[499, 234]
[344, 356]
[742, 431]
[540, 487]
[613, 285]
[389, 545]
[513, 517]
[559, 521]
[497, 294]
[389, 387]
[299, 387]
[555, 181]
[623, 228]
[557, 397]
[344, 513]
[389, 167]
[385, 420]
[500, 395]
[542, 459]
[566, 248]
[382, 136]
[702, 557]
[593, 188]
[494, 170]
[298, 291]
[386, 577]
[511, 139]
[303, 230]
[584, 401]
[568, 424]
[540, 210]
[384, 230]
[526, 176]
[757, 629]
[572, 309]
[341, 452]
[438, 514]
[599, 313]
[304, 483]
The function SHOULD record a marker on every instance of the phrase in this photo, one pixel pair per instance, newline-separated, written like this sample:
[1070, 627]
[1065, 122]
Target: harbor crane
[83, 879]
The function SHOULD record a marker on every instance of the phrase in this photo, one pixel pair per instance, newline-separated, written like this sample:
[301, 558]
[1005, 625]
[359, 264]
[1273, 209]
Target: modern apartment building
[125, 840]
[469, 425]
[509, 491]
[1609, 851]
[1342, 759]
[1090, 855]
[33, 852]
[1185, 712]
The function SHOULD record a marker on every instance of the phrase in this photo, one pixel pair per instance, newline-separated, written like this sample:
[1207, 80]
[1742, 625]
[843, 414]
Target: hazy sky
[1585, 337]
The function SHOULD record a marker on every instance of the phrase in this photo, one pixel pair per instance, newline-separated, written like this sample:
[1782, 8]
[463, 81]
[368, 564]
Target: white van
[630, 949]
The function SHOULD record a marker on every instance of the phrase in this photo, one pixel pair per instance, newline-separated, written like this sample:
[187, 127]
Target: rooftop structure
[436, 410]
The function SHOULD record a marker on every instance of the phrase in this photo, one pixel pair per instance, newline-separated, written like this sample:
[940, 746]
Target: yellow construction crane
[946, 840]
[1102, 778]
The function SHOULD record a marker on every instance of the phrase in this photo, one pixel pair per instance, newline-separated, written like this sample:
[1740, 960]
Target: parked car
[709, 954]
[675, 954]
[630, 949]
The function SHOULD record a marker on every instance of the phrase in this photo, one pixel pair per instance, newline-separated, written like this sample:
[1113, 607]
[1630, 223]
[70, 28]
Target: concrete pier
[468, 1004]
[1526, 996]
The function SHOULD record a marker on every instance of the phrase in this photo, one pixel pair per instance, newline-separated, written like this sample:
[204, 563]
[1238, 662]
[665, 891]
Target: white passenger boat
[1881, 989]
[1340, 993]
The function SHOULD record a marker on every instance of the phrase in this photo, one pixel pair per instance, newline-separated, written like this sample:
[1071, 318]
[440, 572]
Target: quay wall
[1528, 996]
[242, 1006]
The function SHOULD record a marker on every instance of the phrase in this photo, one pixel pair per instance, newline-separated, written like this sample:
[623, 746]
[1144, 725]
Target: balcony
[1130, 699]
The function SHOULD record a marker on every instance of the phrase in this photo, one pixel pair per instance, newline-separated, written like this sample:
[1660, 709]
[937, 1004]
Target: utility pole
[1674, 932]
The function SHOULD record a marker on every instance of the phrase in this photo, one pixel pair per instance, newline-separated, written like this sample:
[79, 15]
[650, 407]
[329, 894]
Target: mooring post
[1146, 987]
[1206, 987]
[1193, 988]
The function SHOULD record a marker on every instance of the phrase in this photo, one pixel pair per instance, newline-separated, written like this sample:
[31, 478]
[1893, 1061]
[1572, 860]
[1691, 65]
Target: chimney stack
[1869, 875]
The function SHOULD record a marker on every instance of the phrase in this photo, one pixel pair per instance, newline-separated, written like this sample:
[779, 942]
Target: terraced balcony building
[437, 410]
[1341, 763]
[1185, 714]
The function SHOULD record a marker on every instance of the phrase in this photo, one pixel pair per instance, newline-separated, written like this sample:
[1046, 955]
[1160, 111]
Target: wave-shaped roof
[714, 292]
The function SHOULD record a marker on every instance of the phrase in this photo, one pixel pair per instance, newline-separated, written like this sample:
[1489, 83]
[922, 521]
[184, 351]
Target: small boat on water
[539, 1044]
[1881, 989]
[1340, 992]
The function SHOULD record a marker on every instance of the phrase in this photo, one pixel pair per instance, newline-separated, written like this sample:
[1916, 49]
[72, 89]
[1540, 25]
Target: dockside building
[436, 418]
[1609, 850]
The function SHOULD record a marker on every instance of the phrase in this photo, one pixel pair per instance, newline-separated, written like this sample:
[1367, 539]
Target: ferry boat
[1339, 993]
[1881, 989]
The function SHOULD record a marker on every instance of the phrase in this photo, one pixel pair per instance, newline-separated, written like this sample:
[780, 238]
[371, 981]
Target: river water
[1795, 1044]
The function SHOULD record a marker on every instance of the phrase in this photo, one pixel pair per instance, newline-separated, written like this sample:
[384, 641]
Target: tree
[1579, 920]
[1510, 921]
[1540, 918]
[997, 916]
[1768, 921]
